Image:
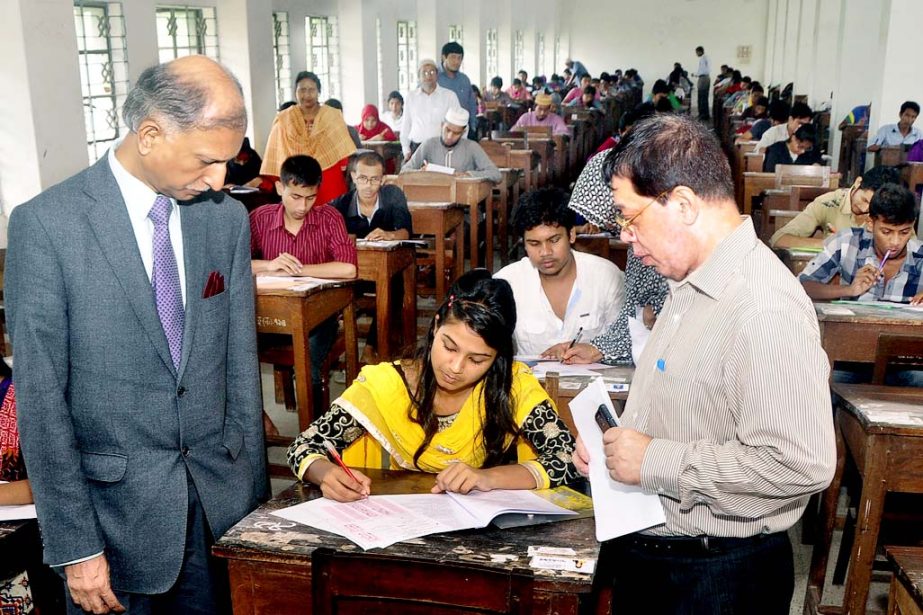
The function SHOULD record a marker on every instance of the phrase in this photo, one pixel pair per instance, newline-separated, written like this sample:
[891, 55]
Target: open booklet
[389, 243]
[290, 282]
[382, 520]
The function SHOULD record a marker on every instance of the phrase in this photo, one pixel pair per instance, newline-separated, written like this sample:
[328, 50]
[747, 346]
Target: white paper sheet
[17, 513]
[620, 509]
[543, 367]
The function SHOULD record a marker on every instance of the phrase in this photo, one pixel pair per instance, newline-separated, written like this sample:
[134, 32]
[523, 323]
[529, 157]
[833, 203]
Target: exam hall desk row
[270, 558]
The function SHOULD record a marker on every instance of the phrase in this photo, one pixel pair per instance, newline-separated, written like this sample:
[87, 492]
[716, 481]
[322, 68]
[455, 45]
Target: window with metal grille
[186, 30]
[540, 66]
[457, 35]
[406, 55]
[381, 71]
[493, 59]
[324, 54]
[281, 59]
[103, 71]
[519, 51]
[558, 58]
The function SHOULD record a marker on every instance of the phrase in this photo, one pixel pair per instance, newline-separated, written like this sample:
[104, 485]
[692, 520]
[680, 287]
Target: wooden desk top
[285, 292]
[868, 314]
[431, 205]
[883, 409]
[265, 537]
[907, 563]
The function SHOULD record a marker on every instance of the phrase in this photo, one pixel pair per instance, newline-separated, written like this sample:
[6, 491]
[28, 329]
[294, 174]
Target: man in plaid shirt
[882, 261]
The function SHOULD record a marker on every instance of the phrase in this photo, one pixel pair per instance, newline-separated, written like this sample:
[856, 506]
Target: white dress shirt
[777, 133]
[889, 136]
[139, 199]
[595, 301]
[704, 66]
[423, 115]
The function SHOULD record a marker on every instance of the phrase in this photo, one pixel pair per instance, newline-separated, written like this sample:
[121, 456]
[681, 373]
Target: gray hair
[161, 92]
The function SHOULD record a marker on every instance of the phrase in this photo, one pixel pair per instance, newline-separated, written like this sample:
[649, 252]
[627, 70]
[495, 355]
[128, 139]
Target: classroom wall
[610, 34]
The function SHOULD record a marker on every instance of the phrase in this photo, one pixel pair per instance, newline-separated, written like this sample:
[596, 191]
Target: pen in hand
[339, 461]
[576, 338]
[884, 260]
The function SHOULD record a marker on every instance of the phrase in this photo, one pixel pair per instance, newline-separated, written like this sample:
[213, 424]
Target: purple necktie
[165, 279]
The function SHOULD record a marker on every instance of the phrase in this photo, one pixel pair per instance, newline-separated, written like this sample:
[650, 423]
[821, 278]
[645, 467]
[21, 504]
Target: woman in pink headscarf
[372, 128]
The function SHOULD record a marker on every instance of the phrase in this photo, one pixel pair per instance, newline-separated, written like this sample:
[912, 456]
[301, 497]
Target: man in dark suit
[131, 309]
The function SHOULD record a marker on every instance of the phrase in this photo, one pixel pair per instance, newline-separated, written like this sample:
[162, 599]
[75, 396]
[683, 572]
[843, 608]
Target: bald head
[193, 92]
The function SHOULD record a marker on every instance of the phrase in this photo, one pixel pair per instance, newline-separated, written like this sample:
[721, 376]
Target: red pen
[339, 460]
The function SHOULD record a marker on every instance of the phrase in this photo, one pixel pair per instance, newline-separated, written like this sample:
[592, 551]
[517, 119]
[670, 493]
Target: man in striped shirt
[729, 418]
[295, 237]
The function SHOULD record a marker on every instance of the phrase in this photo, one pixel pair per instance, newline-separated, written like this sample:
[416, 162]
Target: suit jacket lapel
[195, 240]
[108, 217]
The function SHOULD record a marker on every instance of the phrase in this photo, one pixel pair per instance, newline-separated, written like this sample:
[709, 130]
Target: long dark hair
[486, 305]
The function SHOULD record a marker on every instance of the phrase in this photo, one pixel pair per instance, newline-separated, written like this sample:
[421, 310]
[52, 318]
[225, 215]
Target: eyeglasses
[364, 180]
[625, 223]
[428, 71]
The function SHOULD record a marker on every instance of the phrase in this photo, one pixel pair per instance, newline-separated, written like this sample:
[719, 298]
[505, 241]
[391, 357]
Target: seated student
[902, 133]
[244, 167]
[755, 112]
[576, 92]
[798, 149]
[372, 210]
[295, 237]
[799, 115]
[777, 114]
[518, 92]
[459, 408]
[450, 149]
[561, 294]
[834, 211]
[882, 261]
[15, 595]
[542, 115]
[394, 116]
[495, 92]
[587, 100]
[372, 128]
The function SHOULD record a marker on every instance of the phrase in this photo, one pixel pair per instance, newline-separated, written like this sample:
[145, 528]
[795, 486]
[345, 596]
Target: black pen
[576, 338]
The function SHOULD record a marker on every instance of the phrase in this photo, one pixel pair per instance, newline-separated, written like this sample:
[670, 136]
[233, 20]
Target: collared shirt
[423, 115]
[461, 85]
[831, 209]
[139, 199]
[465, 156]
[594, 302]
[704, 66]
[321, 239]
[554, 120]
[889, 136]
[390, 213]
[851, 249]
[733, 388]
[777, 133]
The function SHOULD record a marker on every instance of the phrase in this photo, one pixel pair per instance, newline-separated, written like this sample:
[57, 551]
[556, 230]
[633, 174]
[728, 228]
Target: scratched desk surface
[261, 535]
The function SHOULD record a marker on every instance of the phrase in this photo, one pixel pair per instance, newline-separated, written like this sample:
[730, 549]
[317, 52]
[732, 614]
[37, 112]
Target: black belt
[690, 545]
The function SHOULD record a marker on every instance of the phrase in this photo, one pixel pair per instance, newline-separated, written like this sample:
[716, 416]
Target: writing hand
[581, 354]
[378, 235]
[459, 477]
[89, 586]
[624, 453]
[337, 485]
[555, 352]
[917, 299]
[582, 458]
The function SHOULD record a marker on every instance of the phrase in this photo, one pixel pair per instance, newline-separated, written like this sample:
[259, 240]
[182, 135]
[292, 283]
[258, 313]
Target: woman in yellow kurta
[461, 408]
[312, 129]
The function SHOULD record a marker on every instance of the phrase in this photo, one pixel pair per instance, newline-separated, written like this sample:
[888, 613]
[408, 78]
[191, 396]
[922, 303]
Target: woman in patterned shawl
[312, 129]
[459, 408]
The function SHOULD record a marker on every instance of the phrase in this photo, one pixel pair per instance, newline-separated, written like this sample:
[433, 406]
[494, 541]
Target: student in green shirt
[834, 211]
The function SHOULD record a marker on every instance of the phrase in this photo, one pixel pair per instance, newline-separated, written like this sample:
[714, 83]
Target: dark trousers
[692, 576]
[202, 587]
[703, 88]
[319, 343]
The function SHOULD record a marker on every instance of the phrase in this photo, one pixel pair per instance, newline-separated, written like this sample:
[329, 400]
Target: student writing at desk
[561, 294]
[834, 211]
[371, 210]
[882, 261]
[450, 149]
[297, 237]
[460, 408]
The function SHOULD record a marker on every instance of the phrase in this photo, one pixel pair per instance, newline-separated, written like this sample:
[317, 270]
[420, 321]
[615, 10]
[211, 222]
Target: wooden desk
[755, 183]
[296, 313]
[562, 389]
[605, 246]
[381, 266]
[796, 261]
[509, 197]
[906, 597]
[543, 147]
[881, 429]
[441, 220]
[389, 150]
[470, 192]
[913, 175]
[269, 558]
[854, 337]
